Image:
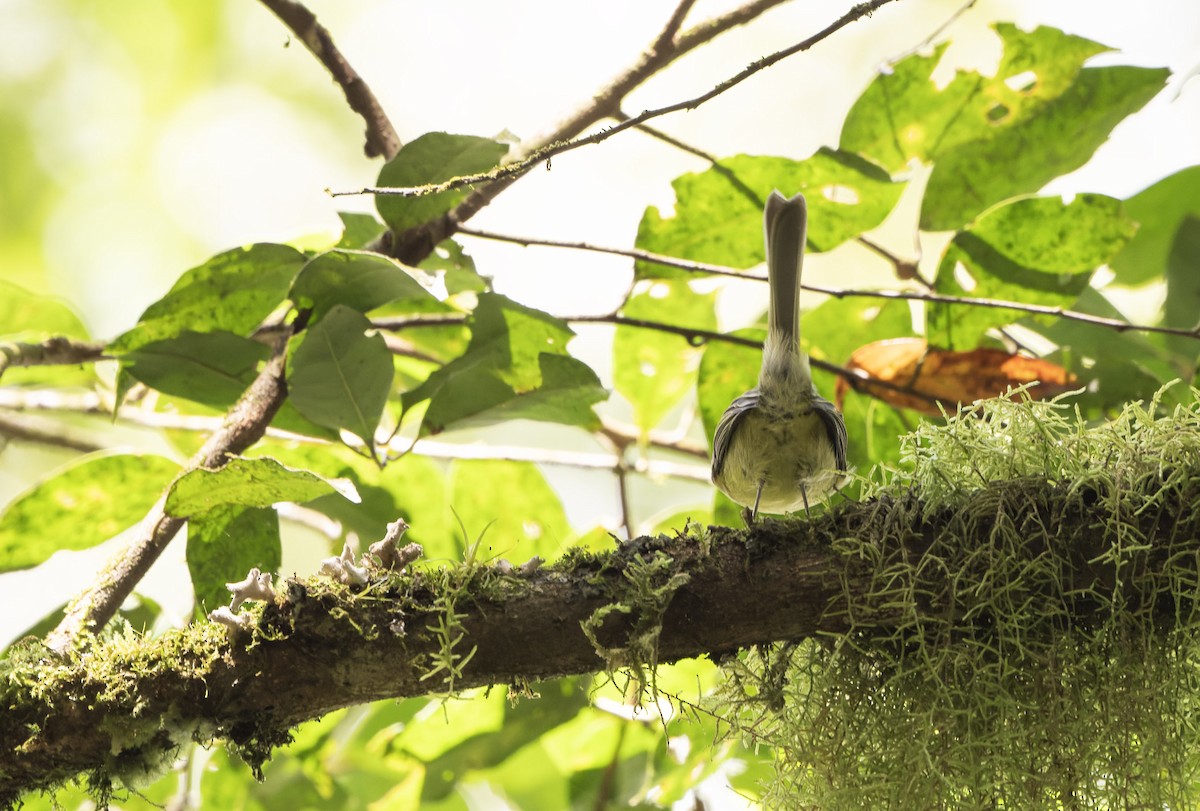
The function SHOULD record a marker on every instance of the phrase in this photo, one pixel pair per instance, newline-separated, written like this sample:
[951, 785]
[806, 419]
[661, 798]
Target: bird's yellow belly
[791, 458]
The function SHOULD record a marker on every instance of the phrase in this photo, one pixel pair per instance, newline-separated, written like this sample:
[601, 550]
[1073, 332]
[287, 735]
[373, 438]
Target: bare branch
[29, 428]
[632, 253]
[243, 426]
[415, 244]
[622, 436]
[666, 39]
[382, 139]
[520, 167]
[548, 456]
[836, 292]
[56, 351]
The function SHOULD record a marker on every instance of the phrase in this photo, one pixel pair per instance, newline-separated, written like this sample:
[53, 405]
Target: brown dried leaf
[906, 373]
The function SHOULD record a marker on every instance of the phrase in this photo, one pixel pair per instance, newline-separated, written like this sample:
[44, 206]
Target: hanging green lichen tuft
[1022, 626]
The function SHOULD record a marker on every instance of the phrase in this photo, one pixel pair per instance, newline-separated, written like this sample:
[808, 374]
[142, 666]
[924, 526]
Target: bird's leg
[804, 495]
[748, 515]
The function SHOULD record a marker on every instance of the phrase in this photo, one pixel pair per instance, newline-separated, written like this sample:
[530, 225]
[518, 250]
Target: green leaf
[224, 543]
[432, 158]
[249, 483]
[1049, 235]
[1114, 367]
[498, 732]
[523, 515]
[359, 230]
[903, 114]
[339, 376]
[1059, 139]
[27, 317]
[719, 219]
[458, 267]
[212, 368]
[1159, 211]
[234, 291]
[31, 318]
[1182, 306]
[872, 427]
[652, 369]
[359, 280]
[832, 330]
[593, 754]
[412, 487]
[516, 366]
[1033, 250]
[88, 502]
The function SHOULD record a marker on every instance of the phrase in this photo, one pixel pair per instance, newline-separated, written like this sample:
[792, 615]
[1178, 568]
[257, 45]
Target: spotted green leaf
[718, 213]
[249, 483]
[88, 502]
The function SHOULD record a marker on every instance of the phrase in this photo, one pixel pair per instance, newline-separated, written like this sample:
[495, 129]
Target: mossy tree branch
[127, 706]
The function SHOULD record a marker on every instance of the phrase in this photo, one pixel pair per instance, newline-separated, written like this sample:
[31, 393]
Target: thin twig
[906, 295]
[382, 139]
[622, 436]
[632, 253]
[546, 153]
[413, 245]
[42, 431]
[56, 351]
[666, 39]
[937, 32]
[548, 456]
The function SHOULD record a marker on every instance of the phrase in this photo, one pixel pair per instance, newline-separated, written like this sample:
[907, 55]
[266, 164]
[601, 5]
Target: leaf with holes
[1038, 250]
[718, 213]
[339, 376]
[457, 268]
[1059, 139]
[903, 114]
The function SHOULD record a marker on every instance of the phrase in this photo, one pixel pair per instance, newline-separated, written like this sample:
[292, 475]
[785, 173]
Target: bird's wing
[728, 424]
[835, 428]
